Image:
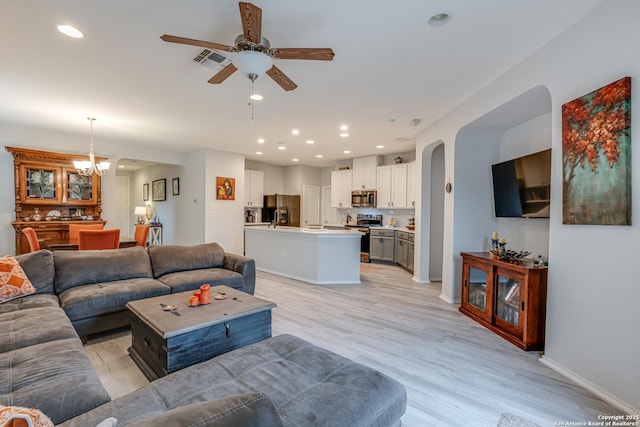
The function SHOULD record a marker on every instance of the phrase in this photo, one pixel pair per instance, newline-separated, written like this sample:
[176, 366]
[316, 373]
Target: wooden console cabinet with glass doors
[509, 298]
[50, 194]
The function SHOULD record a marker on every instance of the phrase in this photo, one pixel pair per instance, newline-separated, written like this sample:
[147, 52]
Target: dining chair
[99, 239]
[75, 228]
[32, 238]
[141, 235]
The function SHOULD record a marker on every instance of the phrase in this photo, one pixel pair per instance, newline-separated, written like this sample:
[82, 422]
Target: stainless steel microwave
[364, 198]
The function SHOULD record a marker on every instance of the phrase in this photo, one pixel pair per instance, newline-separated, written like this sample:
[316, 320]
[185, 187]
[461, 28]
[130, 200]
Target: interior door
[122, 206]
[311, 196]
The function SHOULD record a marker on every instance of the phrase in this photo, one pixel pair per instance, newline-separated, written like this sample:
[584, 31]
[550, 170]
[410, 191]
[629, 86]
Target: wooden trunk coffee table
[163, 341]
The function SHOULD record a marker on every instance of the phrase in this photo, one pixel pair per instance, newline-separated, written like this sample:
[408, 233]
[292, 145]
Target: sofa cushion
[30, 301]
[171, 258]
[192, 279]
[14, 282]
[307, 385]
[87, 301]
[38, 267]
[56, 377]
[25, 328]
[77, 268]
[247, 410]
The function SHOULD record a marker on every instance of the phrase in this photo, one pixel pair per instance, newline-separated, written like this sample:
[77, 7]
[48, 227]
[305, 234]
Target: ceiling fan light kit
[254, 55]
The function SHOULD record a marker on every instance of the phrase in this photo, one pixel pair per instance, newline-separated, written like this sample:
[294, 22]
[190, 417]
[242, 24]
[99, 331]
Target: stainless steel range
[363, 224]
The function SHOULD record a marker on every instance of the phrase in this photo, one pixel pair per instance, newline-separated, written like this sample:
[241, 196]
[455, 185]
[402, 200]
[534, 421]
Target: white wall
[273, 176]
[224, 218]
[167, 211]
[436, 214]
[592, 305]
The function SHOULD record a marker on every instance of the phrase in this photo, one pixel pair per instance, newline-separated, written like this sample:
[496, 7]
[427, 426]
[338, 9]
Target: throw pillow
[15, 416]
[109, 422]
[14, 282]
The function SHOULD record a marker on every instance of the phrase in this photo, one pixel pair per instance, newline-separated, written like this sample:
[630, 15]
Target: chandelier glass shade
[252, 64]
[89, 167]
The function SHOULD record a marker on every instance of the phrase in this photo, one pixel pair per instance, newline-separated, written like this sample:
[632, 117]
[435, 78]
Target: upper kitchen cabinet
[365, 171]
[254, 188]
[411, 185]
[392, 186]
[341, 183]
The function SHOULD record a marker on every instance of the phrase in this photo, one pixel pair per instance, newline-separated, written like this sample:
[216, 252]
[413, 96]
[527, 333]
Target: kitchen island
[317, 256]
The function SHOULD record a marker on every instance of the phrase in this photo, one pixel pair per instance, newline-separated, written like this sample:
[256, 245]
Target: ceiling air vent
[211, 59]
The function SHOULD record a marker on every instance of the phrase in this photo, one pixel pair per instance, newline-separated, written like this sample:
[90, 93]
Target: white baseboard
[577, 379]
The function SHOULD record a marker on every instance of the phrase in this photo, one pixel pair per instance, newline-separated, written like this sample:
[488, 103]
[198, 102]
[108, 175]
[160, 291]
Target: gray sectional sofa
[279, 381]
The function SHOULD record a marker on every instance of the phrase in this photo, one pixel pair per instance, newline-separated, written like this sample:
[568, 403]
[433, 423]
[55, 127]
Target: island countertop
[306, 231]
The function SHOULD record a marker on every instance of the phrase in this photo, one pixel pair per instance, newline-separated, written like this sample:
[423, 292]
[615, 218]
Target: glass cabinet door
[40, 184]
[477, 288]
[508, 299]
[79, 187]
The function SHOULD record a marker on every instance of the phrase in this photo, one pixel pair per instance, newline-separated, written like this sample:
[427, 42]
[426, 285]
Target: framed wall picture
[145, 191]
[175, 186]
[596, 156]
[159, 190]
[225, 188]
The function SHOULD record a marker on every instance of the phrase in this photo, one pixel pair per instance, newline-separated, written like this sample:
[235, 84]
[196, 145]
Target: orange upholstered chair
[75, 228]
[32, 238]
[99, 239]
[141, 235]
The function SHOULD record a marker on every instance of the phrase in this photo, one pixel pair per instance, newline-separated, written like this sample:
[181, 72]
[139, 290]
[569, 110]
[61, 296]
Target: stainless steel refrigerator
[287, 207]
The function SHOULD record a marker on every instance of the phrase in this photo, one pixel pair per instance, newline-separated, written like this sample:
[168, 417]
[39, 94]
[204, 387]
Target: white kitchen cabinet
[365, 171]
[253, 188]
[392, 186]
[411, 185]
[341, 188]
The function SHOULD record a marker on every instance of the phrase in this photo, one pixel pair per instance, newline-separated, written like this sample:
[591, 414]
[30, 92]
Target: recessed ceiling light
[347, 151]
[319, 156]
[295, 160]
[259, 153]
[281, 147]
[344, 135]
[295, 132]
[70, 31]
[379, 146]
[256, 97]
[439, 19]
[261, 141]
[310, 141]
[344, 127]
[121, 166]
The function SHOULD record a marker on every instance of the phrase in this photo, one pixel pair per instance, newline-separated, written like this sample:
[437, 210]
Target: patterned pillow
[15, 416]
[14, 282]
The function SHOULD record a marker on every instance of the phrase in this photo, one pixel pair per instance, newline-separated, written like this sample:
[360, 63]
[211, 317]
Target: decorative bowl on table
[509, 255]
[410, 227]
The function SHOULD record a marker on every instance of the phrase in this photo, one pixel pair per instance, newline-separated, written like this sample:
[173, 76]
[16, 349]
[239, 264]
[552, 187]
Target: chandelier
[89, 167]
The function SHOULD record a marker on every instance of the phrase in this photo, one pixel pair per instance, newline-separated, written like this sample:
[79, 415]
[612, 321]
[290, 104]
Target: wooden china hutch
[50, 194]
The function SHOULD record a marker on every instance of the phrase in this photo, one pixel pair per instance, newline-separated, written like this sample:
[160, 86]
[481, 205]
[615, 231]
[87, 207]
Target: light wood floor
[456, 372]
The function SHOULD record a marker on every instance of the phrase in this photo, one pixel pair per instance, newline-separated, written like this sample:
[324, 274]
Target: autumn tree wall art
[596, 156]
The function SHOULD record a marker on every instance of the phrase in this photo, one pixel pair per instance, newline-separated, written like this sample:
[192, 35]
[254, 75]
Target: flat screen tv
[521, 187]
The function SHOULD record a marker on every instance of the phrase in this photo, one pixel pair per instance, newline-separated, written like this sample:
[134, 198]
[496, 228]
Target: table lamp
[141, 211]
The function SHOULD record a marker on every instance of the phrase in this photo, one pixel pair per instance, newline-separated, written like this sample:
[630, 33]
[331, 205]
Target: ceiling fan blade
[281, 78]
[318, 54]
[251, 17]
[193, 42]
[223, 74]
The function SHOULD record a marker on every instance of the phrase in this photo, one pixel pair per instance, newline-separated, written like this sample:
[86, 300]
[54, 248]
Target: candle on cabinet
[501, 240]
[494, 235]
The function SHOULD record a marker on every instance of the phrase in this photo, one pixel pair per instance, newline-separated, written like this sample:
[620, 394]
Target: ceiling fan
[254, 54]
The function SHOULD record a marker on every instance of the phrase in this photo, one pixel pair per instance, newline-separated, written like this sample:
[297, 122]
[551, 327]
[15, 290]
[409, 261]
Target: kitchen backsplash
[401, 216]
